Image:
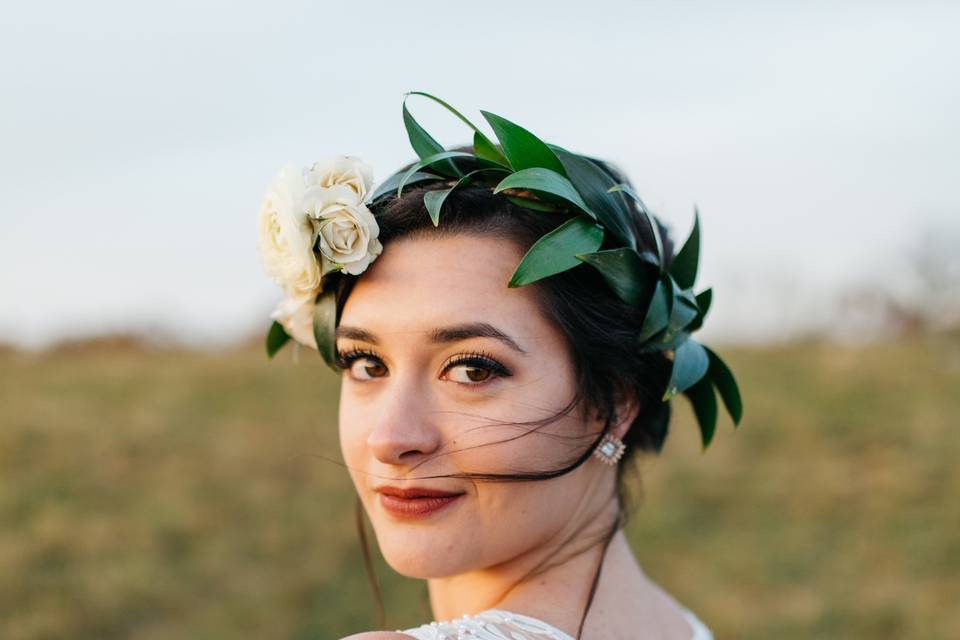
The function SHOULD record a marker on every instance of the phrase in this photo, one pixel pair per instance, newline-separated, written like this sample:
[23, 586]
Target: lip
[415, 502]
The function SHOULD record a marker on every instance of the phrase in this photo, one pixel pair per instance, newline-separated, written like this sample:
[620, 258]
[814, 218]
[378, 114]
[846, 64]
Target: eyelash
[345, 359]
[480, 359]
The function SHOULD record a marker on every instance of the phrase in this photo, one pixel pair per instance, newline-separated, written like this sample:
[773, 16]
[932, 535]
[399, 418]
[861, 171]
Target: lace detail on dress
[492, 624]
[498, 624]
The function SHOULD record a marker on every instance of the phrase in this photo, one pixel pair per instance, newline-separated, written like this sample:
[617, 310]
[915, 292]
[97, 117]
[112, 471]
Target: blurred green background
[155, 493]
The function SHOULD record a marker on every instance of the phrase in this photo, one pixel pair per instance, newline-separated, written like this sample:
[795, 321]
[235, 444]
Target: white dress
[499, 624]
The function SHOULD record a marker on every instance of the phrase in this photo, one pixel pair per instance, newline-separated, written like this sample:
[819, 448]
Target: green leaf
[522, 149]
[391, 183]
[424, 145]
[687, 295]
[657, 316]
[648, 217]
[631, 277]
[683, 314]
[547, 181]
[684, 308]
[276, 338]
[557, 250]
[649, 258]
[704, 403]
[485, 150]
[690, 363]
[726, 386]
[482, 146]
[663, 342]
[536, 205]
[684, 266]
[703, 303]
[427, 162]
[324, 326]
[662, 331]
[670, 289]
[593, 184]
[433, 200]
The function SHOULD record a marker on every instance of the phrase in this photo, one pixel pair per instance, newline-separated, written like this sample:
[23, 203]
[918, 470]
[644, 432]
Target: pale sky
[138, 138]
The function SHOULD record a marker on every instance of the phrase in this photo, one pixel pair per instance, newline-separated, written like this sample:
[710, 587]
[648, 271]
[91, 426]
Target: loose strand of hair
[618, 523]
[368, 565]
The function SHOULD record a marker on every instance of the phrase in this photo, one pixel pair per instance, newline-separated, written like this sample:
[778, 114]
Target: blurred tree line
[919, 295]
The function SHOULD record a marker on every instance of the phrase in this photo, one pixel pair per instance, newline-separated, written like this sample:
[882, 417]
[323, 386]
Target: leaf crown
[546, 177]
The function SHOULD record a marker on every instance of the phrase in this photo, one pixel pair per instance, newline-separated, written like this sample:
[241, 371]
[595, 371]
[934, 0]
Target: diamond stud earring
[610, 449]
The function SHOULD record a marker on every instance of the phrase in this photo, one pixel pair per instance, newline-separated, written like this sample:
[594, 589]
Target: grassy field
[156, 494]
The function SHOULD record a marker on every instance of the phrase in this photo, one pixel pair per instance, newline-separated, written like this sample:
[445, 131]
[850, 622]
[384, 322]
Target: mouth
[415, 502]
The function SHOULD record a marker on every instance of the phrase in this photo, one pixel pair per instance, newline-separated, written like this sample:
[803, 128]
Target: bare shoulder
[379, 635]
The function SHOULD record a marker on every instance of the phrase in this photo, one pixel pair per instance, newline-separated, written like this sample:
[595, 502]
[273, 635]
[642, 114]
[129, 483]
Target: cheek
[352, 437]
[516, 517]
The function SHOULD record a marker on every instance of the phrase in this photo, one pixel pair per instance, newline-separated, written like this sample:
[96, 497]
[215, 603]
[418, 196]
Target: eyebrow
[441, 335]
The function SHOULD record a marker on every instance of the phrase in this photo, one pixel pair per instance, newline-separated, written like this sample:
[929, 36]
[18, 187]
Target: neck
[551, 581]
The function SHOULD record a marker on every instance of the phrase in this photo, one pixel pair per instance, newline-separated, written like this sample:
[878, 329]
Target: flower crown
[317, 221]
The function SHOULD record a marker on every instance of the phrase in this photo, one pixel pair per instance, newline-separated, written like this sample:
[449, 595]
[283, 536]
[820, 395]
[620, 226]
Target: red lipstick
[415, 502]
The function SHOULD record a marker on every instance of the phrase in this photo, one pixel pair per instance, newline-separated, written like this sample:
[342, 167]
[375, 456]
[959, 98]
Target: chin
[420, 552]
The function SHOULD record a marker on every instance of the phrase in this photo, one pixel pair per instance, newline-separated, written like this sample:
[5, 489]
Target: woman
[487, 427]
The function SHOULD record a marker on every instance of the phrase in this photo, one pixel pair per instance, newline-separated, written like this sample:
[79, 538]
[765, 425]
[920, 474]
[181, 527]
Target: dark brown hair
[600, 329]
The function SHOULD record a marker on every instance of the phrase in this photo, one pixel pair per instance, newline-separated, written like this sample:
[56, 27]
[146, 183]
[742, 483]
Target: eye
[475, 369]
[470, 373]
[370, 367]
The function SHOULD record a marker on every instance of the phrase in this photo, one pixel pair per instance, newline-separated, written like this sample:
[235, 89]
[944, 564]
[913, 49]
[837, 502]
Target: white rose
[295, 314]
[346, 228]
[287, 235]
[345, 170]
[321, 207]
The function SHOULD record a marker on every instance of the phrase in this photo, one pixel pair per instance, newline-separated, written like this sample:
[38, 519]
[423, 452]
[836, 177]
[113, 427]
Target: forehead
[423, 282]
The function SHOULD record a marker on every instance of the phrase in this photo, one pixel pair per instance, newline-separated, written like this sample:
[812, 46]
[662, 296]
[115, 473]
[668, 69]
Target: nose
[404, 431]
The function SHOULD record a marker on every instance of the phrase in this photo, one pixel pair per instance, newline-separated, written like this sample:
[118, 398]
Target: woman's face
[443, 350]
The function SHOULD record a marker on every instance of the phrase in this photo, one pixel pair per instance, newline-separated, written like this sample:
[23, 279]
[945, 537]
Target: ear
[627, 410]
